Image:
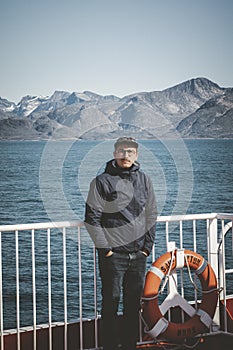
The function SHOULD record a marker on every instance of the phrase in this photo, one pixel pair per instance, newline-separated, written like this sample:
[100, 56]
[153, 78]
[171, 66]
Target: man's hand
[109, 253]
[145, 253]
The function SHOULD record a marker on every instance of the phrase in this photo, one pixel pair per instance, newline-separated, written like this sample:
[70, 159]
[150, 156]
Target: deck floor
[212, 342]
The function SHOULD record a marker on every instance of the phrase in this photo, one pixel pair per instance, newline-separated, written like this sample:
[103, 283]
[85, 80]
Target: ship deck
[213, 341]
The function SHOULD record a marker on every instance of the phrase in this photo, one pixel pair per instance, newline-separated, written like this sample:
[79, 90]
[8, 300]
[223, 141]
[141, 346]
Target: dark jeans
[121, 272]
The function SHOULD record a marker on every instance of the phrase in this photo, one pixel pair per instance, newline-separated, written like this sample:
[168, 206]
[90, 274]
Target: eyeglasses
[122, 151]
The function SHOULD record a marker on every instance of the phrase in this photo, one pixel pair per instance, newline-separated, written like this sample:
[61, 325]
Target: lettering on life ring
[157, 326]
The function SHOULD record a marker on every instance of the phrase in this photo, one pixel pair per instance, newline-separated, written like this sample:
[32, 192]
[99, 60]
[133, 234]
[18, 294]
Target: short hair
[126, 140]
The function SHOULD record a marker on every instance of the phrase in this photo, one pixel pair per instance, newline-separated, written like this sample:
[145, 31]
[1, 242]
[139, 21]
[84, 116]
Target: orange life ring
[156, 325]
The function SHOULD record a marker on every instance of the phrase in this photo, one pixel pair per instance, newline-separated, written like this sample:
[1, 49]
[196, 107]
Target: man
[120, 217]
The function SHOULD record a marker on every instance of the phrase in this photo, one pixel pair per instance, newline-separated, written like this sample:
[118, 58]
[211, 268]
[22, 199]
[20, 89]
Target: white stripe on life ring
[201, 268]
[158, 328]
[157, 272]
[204, 317]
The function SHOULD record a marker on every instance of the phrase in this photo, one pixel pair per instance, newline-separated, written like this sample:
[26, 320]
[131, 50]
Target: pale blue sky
[112, 47]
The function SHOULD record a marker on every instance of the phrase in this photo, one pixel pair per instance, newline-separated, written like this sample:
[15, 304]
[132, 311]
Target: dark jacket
[121, 210]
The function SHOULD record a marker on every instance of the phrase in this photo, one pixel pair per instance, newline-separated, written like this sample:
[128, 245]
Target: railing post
[95, 298]
[212, 235]
[1, 298]
[80, 290]
[222, 274]
[49, 288]
[17, 288]
[64, 286]
[212, 241]
[34, 289]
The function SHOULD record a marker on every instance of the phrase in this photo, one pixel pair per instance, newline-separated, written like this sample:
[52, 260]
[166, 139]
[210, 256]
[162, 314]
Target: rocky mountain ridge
[194, 108]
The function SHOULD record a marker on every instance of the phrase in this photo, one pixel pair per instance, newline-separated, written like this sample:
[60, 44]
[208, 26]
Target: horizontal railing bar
[186, 217]
[46, 325]
[44, 225]
[227, 216]
[61, 224]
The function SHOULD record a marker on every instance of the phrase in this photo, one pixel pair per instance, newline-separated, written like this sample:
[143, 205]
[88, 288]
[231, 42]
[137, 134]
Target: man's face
[125, 155]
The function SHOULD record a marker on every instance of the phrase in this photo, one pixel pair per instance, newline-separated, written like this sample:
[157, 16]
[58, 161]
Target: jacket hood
[113, 169]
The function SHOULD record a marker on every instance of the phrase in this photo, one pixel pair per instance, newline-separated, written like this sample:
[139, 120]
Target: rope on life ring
[157, 326]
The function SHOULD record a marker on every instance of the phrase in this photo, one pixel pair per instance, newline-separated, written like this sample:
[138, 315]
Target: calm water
[43, 181]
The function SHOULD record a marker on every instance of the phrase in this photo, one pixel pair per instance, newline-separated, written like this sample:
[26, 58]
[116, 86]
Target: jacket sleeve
[151, 217]
[93, 214]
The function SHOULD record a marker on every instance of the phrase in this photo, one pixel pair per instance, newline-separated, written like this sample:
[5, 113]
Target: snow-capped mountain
[178, 109]
[6, 106]
[28, 104]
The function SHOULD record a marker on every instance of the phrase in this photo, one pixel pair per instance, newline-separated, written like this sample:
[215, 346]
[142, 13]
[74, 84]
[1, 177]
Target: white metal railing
[194, 229]
[226, 228]
[15, 229]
